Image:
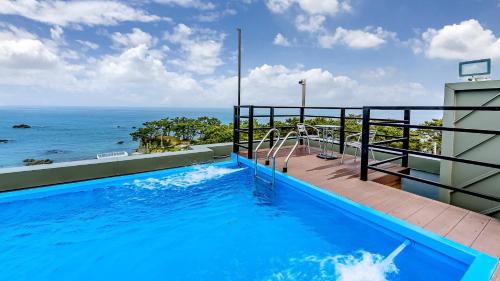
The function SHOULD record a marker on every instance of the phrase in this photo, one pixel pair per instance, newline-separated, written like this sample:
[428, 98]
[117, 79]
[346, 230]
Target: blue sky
[182, 52]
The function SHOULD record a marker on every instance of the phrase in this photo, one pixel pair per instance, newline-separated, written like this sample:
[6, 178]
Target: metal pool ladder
[255, 154]
[285, 164]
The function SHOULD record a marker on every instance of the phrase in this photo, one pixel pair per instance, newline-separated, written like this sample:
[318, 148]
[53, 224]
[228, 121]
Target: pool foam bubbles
[198, 175]
[360, 266]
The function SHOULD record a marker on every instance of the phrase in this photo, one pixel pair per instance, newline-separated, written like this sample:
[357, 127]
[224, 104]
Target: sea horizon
[70, 133]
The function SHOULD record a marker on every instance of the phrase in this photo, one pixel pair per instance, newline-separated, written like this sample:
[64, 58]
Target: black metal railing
[302, 113]
[403, 152]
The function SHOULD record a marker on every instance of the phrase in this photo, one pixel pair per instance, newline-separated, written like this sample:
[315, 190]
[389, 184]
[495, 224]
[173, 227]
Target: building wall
[480, 147]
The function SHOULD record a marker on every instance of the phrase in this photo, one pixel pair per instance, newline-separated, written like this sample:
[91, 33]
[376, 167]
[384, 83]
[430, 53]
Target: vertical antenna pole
[239, 66]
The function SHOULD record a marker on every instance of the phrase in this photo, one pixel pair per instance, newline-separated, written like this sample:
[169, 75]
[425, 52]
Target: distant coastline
[78, 133]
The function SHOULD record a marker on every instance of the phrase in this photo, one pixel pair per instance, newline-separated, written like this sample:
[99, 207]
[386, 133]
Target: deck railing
[337, 113]
[302, 113]
[403, 152]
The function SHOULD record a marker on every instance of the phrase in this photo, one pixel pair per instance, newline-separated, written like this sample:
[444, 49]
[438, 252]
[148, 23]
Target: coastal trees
[172, 134]
[145, 134]
[179, 133]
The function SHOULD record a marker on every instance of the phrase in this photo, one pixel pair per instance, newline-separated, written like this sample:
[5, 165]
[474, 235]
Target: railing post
[250, 132]
[365, 139]
[342, 131]
[406, 134]
[271, 124]
[236, 129]
[301, 120]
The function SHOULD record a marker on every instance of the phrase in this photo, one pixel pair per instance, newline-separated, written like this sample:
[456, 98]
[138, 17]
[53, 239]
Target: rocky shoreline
[32, 162]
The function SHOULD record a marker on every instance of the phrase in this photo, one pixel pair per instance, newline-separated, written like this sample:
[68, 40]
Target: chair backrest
[301, 128]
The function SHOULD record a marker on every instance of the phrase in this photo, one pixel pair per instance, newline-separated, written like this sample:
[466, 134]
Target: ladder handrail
[285, 165]
[255, 155]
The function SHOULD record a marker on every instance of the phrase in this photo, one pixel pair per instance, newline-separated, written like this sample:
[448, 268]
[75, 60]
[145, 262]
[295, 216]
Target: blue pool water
[211, 222]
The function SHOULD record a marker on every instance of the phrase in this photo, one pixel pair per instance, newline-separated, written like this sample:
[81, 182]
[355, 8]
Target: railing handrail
[255, 152]
[306, 107]
[405, 151]
[433, 107]
[285, 164]
[405, 124]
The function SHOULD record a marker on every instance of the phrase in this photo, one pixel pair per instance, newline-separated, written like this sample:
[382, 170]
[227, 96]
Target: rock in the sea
[32, 162]
[21, 126]
[4, 141]
[56, 151]
[120, 142]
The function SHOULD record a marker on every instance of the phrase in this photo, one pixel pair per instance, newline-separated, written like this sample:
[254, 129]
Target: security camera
[302, 82]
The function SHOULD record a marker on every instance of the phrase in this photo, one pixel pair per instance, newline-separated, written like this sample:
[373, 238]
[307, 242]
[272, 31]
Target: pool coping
[481, 265]
[87, 185]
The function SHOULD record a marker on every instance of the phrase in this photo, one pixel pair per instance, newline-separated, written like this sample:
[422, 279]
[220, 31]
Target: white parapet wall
[42, 175]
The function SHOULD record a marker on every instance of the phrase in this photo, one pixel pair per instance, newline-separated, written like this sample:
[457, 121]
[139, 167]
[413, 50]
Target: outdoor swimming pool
[214, 222]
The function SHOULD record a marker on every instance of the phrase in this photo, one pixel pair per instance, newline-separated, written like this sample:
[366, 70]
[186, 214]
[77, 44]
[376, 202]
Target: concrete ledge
[35, 176]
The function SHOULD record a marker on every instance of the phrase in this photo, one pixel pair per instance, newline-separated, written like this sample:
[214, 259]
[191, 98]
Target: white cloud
[88, 44]
[379, 73]
[216, 15]
[26, 53]
[277, 85]
[281, 40]
[201, 48]
[311, 7]
[56, 33]
[310, 24]
[466, 40]
[135, 38]
[278, 6]
[20, 49]
[356, 39]
[62, 13]
[202, 5]
[323, 7]
[137, 76]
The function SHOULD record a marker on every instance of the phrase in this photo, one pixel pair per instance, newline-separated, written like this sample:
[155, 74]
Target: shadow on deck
[463, 226]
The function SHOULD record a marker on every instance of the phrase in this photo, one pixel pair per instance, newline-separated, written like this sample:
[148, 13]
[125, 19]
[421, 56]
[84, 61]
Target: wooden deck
[466, 227]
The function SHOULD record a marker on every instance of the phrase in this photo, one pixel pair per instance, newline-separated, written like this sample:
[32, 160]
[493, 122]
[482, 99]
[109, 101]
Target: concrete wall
[480, 147]
[33, 176]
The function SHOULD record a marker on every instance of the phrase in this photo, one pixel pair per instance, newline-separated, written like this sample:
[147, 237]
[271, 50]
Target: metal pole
[236, 130]
[250, 132]
[365, 138]
[406, 135]
[342, 131]
[303, 83]
[239, 66]
[271, 124]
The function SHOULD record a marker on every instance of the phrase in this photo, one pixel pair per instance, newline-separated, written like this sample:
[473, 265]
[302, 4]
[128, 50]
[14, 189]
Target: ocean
[77, 133]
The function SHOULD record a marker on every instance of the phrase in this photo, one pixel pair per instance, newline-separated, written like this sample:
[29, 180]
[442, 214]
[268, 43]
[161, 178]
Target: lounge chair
[354, 140]
[304, 135]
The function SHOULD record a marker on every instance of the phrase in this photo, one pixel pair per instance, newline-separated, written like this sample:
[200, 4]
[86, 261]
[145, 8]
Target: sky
[182, 53]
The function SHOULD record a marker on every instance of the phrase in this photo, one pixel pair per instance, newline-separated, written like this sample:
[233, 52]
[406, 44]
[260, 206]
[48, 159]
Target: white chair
[354, 140]
[304, 135]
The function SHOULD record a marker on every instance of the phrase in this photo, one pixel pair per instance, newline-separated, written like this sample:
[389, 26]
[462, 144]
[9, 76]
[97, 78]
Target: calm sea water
[76, 133]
